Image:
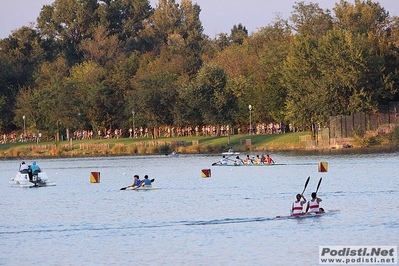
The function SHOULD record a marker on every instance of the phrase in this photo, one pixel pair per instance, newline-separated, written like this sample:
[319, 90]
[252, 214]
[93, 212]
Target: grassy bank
[141, 146]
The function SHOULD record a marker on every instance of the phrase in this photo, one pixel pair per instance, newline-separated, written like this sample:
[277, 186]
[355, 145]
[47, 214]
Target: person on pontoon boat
[23, 168]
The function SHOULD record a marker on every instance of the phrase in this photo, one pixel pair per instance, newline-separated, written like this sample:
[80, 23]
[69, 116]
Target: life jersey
[297, 208]
[147, 182]
[138, 182]
[269, 160]
[313, 206]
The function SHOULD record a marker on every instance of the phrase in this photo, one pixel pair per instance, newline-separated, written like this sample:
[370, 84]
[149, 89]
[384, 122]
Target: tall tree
[310, 19]
[170, 18]
[210, 96]
[299, 77]
[238, 34]
[69, 22]
[47, 107]
[362, 17]
[124, 18]
[20, 55]
[154, 99]
[102, 48]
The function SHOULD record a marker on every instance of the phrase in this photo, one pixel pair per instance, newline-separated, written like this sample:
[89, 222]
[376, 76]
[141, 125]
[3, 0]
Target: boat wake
[229, 221]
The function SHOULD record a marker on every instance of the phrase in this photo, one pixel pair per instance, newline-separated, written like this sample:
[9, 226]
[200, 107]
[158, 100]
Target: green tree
[20, 55]
[358, 82]
[154, 99]
[310, 19]
[45, 105]
[299, 77]
[124, 18]
[271, 44]
[362, 17]
[238, 34]
[69, 22]
[102, 48]
[170, 18]
[7, 93]
[210, 96]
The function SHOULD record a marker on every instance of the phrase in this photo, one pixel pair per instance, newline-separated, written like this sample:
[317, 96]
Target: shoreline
[131, 150]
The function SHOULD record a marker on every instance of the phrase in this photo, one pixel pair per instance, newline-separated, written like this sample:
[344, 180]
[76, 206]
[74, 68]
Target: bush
[394, 135]
[164, 149]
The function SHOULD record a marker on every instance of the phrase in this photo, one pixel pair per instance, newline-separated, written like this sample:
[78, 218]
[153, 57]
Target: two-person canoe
[307, 215]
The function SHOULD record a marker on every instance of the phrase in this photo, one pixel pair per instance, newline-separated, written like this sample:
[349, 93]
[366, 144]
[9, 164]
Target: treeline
[107, 64]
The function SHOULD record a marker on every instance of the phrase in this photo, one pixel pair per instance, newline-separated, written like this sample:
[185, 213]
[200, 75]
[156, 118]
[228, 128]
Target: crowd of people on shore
[145, 132]
[13, 137]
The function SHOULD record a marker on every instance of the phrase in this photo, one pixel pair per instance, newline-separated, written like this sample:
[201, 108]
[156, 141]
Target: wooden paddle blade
[152, 180]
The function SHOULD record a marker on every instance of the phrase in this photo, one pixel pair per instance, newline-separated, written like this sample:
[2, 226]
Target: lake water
[227, 219]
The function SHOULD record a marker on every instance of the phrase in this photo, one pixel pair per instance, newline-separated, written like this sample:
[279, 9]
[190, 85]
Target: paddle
[306, 184]
[318, 185]
[124, 188]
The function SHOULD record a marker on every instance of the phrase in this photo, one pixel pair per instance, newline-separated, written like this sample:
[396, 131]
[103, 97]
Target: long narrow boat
[254, 164]
[143, 188]
[307, 215]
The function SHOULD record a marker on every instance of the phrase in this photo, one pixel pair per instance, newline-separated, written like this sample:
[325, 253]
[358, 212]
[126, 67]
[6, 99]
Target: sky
[217, 16]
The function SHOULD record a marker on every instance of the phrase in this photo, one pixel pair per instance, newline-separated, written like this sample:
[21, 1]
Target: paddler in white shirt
[297, 206]
[223, 160]
[313, 204]
[238, 161]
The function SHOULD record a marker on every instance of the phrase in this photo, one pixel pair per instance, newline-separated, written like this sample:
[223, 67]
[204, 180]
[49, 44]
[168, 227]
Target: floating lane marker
[206, 173]
[95, 177]
[323, 166]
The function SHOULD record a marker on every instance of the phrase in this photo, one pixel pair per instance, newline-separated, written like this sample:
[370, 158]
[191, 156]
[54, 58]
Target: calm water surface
[226, 219]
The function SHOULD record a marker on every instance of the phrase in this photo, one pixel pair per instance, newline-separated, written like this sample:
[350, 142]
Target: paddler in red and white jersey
[297, 206]
[269, 160]
[313, 204]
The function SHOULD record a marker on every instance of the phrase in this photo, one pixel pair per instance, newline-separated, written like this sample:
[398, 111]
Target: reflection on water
[225, 219]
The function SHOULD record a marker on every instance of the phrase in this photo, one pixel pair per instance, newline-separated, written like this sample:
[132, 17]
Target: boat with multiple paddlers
[247, 161]
[142, 187]
[318, 213]
[253, 164]
[307, 215]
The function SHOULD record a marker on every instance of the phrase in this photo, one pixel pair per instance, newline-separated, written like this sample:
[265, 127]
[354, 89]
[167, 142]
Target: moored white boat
[37, 179]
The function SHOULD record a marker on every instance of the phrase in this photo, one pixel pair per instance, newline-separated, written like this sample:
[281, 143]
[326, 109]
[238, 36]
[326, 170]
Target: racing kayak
[307, 215]
[143, 188]
[231, 164]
